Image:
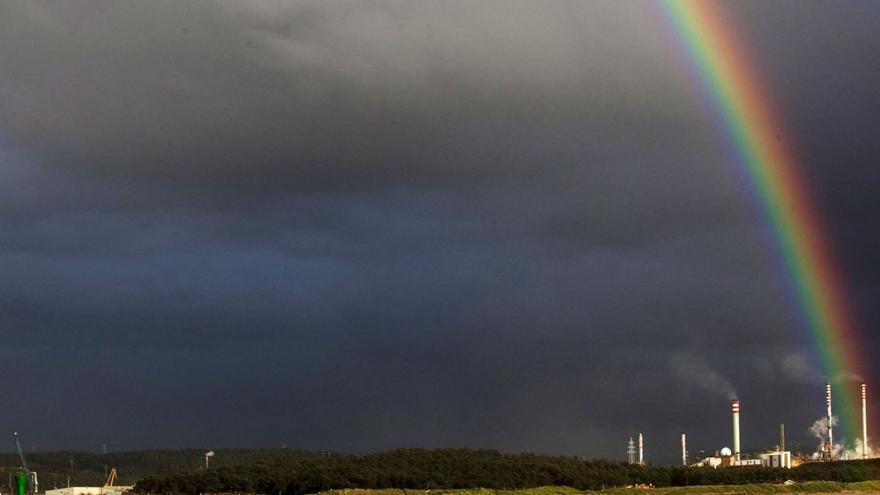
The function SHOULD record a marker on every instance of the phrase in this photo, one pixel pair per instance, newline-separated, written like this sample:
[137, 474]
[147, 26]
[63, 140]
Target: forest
[471, 468]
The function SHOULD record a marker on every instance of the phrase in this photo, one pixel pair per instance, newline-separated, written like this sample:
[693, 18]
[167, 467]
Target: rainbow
[718, 61]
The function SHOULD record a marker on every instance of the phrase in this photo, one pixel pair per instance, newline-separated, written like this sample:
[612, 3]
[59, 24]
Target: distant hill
[85, 468]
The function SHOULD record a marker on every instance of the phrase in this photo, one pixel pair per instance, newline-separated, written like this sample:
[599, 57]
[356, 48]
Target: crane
[110, 479]
[31, 479]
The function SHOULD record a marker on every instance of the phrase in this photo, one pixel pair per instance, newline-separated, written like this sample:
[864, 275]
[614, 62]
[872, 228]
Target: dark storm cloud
[332, 95]
[358, 226]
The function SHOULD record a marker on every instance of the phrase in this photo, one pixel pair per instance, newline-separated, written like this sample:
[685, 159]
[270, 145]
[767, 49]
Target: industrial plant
[778, 457]
[26, 482]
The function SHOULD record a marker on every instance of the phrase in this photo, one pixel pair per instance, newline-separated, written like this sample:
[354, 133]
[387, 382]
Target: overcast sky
[363, 225]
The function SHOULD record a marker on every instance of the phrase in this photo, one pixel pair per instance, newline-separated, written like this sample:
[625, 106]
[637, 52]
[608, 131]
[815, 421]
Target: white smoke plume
[819, 430]
[694, 370]
[856, 451]
[798, 367]
[848, 376]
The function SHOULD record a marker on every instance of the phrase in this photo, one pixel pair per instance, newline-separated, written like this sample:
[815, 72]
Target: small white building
[712, 462]
[777, 459]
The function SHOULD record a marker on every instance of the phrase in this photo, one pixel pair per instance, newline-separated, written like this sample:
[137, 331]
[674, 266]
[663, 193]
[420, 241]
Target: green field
[762, 488]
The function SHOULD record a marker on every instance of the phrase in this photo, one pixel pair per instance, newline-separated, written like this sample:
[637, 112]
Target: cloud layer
[356, 226]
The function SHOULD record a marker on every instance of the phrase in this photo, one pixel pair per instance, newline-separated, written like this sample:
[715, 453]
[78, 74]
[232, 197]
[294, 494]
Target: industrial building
[776, 459]
[725, 460]
[90, 490]
[733, 458]
[109, 488]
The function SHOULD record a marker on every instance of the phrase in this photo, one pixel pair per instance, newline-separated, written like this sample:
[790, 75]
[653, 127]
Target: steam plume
[696, 371]
[798, 367]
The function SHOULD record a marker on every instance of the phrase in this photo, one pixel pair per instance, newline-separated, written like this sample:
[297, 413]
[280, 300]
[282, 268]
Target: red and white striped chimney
[864, 421]
[830, 446]
[734, 407]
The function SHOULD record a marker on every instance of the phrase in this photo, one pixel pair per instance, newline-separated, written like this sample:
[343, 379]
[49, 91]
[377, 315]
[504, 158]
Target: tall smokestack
[684, 450]
[864, 421]
[734, 406]
[641, 450]
[782, 437]
[830, 446]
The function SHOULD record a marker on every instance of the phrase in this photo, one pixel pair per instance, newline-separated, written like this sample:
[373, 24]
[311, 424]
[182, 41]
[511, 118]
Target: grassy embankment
[815, 487]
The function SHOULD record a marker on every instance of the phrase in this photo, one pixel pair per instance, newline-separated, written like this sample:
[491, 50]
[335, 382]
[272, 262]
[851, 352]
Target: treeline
[296, 472]
[442, 468]
[468, 468]
[90, 469]
[845, 471]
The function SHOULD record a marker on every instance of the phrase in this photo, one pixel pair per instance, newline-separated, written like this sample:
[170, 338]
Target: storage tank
[21, 483]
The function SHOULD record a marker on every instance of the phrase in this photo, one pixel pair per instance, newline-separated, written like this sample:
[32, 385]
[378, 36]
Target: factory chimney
[684, 450]
[782, 437]
[829, 448]
[734, 406]
[641, 450]
[864, 421]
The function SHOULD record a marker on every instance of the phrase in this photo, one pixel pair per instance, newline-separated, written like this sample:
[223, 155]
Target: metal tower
[631, 451]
